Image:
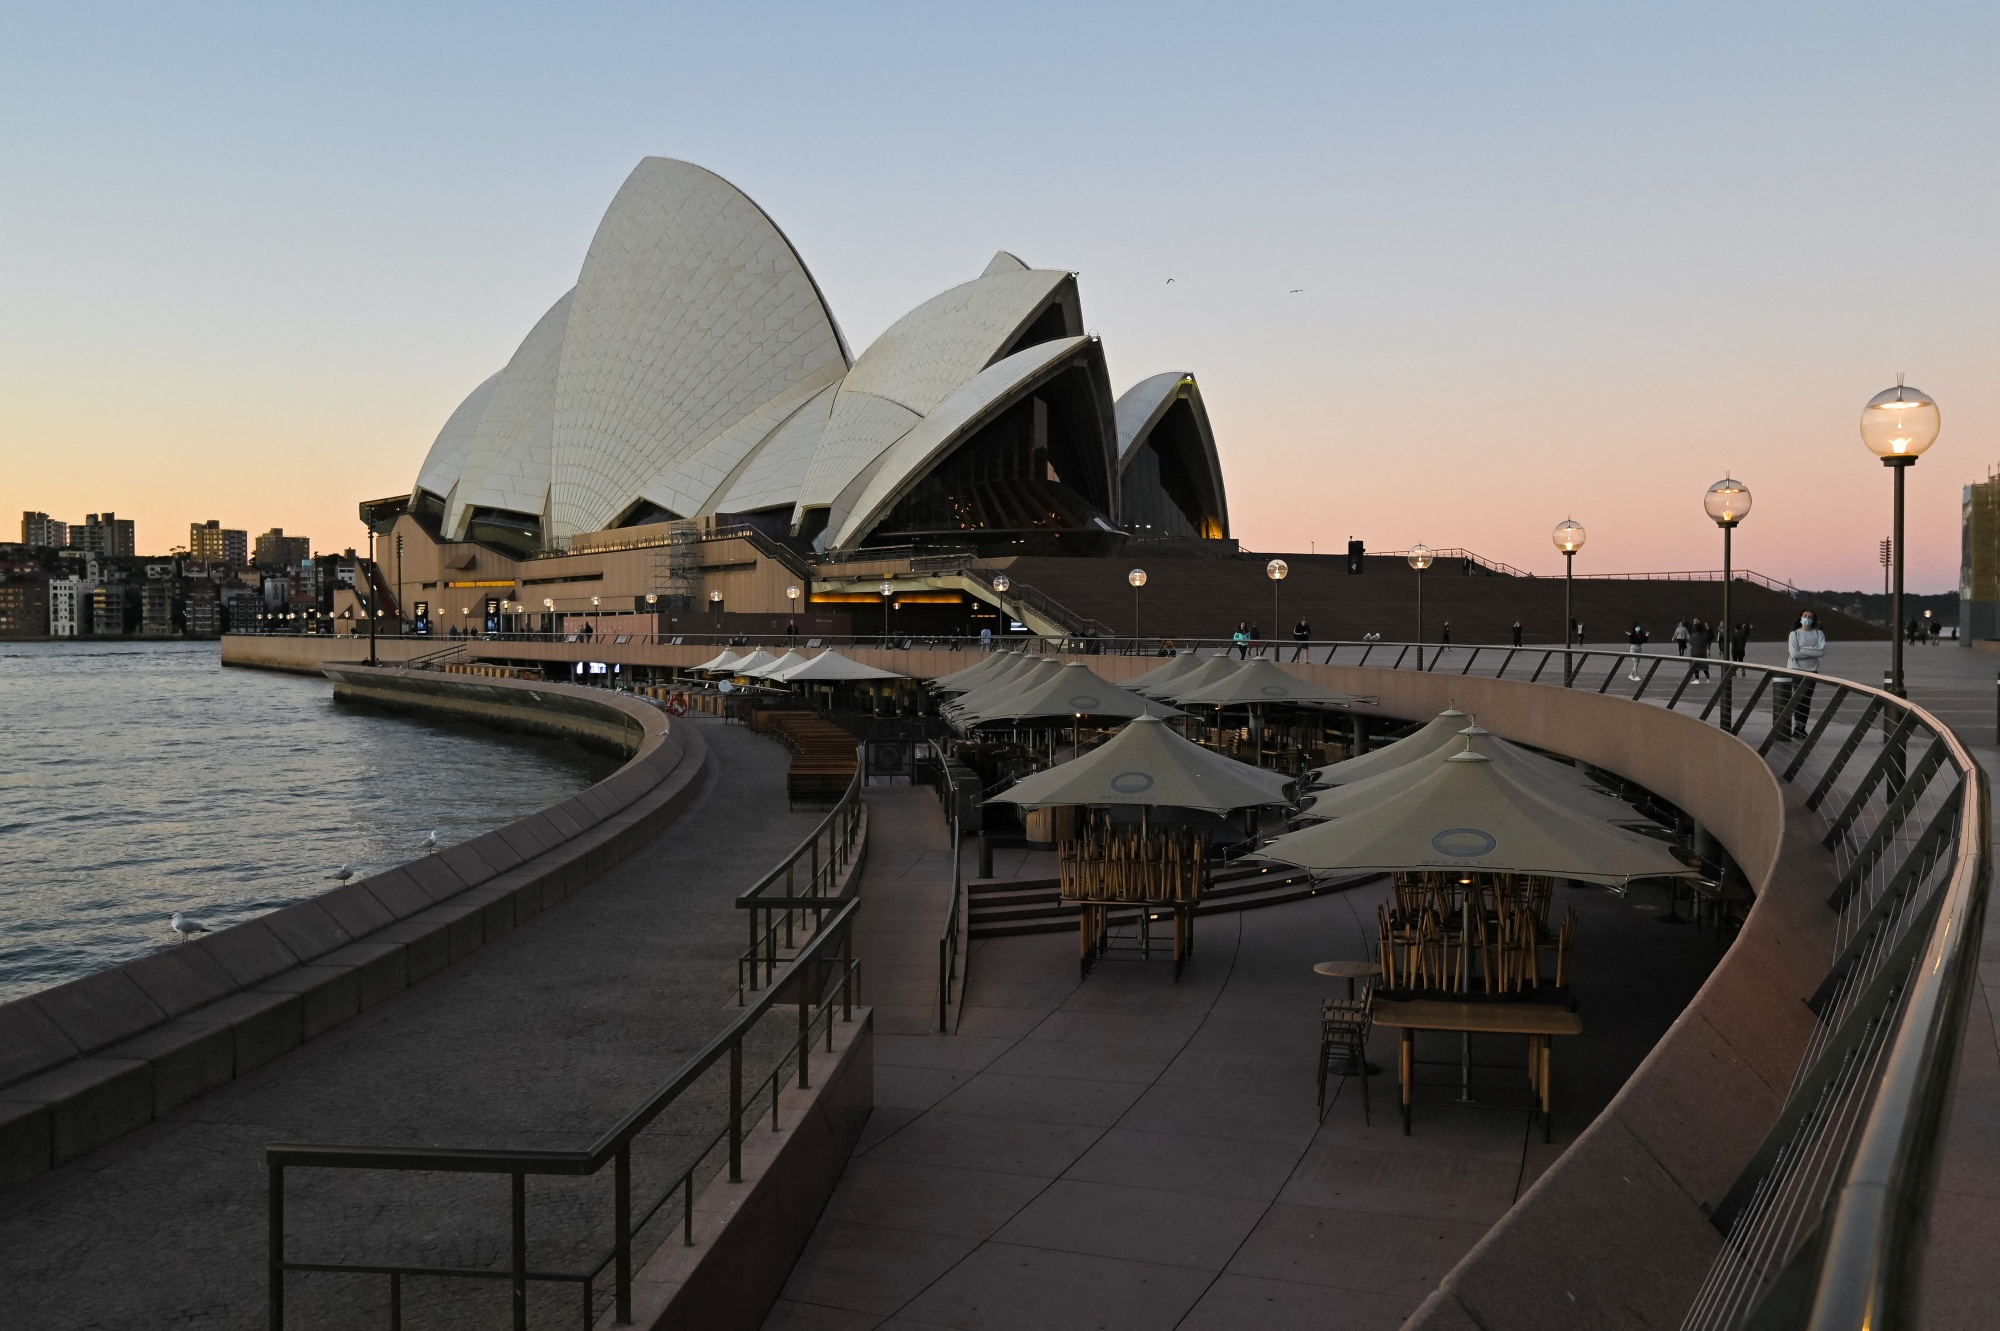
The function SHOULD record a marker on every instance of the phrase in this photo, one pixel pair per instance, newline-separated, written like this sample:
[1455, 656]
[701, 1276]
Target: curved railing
[1825, 1226]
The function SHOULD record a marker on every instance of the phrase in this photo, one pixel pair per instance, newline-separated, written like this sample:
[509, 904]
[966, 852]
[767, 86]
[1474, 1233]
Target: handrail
[1825, 1228]
[826, 957]
[948, 936]
[841, 828]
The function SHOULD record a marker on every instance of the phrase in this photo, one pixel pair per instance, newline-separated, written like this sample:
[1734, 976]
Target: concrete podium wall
[85, 1062]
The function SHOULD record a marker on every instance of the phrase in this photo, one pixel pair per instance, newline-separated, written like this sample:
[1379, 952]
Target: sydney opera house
[695, 371]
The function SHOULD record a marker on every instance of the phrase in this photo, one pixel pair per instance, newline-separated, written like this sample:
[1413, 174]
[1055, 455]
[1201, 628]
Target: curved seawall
[85, 1062]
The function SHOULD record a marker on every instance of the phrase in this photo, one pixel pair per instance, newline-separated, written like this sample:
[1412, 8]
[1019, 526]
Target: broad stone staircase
[1004, 906]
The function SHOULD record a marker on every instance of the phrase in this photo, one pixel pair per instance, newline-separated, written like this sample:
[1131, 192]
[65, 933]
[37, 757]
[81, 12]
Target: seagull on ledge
[431, 842]
[186, 926]
[343, 873]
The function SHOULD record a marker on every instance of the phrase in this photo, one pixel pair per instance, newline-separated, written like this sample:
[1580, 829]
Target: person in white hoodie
[1803, 648]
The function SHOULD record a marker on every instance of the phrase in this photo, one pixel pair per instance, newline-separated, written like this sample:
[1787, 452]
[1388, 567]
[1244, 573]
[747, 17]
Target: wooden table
[1540, 1022]
[1349, 971]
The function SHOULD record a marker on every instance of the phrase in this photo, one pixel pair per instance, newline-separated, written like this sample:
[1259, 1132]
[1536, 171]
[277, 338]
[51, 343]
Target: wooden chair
[1343, 1044]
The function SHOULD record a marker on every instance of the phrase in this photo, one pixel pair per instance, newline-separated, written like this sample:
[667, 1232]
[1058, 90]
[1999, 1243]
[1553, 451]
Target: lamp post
[1420, 559]
[1569, 537]
[371, 596]
[1728, 503]
[1897, 425]
[715, 607]
[1137, 577]
[888, 590]
[549, 615]
[1276, 571]
[792, 614]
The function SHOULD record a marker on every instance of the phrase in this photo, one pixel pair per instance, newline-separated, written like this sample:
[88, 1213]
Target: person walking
[1681, 637]
[1301, 635]
[1804, 646]
[986, 638]
[1698, 640]
[1445, 638]
[1517, 633]
[1739, 640]
[1242, 637]
[1256, 639]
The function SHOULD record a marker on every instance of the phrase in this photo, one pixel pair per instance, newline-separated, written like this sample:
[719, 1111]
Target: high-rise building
[279, 553]
[156, 616]
[24, 606]
[204, 609]
[109, 608]
[217, 544]
[43, 530]
[104, 534]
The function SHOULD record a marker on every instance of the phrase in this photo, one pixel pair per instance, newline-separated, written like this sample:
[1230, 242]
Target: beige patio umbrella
[1466, 815]
[1002, 687]
[779, 666]
[1147, 764]
[727, 661]
[753, 663]
[830, 667]
[990, 667]
[1208, 672]
[1542, 777]
[1073, 691]
[1440, 732]
[1161, 676]
[1256, 682]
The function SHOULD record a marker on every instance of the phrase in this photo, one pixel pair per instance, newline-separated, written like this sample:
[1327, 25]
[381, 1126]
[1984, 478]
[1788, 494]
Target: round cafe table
[1349, 971]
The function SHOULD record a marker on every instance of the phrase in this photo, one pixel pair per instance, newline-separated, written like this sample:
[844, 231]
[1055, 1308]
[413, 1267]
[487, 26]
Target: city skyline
[1430, 294]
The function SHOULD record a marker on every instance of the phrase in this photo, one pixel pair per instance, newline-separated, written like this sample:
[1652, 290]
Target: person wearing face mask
[1803, 648]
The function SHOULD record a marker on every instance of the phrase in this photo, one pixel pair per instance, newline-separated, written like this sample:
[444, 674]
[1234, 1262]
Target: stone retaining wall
[87, 1061]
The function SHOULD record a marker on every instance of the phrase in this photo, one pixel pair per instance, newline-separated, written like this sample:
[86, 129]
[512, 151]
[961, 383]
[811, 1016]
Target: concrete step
[1048, 915]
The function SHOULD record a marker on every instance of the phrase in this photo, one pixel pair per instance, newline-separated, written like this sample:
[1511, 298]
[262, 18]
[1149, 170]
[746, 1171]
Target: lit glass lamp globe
[1727, 502]
[1002, 583]
[548, 603]
[652, 598]
[1899, 422]
[1137, 577]
[1420, 556]
[1568, 536]
[791, 593]
[1277, 569]
[888, 589]
[715, 596]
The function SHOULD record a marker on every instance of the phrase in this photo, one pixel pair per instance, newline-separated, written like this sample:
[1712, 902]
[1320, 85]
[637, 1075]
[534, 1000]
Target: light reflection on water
[138, 779]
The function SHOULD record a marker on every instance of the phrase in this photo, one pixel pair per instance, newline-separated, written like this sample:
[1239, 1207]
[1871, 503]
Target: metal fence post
[520, 1262]
[276, 1256]
[736, 1111]
[622, 1204]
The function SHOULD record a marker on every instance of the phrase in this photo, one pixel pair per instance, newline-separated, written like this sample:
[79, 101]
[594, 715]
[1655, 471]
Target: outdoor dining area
[1474, 841]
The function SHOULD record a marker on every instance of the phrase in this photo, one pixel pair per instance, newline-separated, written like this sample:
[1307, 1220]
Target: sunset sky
[1446, 273]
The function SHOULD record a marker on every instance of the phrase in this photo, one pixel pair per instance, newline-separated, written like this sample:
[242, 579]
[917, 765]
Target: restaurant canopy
[1543, 777]
[959, 681]
[726, 661]
[1465, 815]
[1258, 680]
[777, 667]
[1156, 679]
[1001, 687]
[830, 667]
[1074, 690]
[753, 663]
[1440, 732]
[1147, 764]
[1215, 668]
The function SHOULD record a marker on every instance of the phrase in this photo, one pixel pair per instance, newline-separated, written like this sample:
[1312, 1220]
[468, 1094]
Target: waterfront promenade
[541, 1039]
[1128, 1152]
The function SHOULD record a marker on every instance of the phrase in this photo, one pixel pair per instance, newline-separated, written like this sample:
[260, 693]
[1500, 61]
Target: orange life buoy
[678, 704]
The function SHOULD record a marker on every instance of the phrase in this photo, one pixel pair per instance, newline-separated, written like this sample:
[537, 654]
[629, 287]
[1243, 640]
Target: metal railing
[823, 856]
[1825, 1227]
[822, 975]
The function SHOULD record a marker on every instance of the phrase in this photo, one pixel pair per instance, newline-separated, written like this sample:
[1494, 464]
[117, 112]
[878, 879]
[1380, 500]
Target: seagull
[431, 842]
[1295, 291]
[343, 873]
[186, 926]
[1170, 281]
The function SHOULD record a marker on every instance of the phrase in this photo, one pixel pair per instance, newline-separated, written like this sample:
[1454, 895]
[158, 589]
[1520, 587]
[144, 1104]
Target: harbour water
[140, 779]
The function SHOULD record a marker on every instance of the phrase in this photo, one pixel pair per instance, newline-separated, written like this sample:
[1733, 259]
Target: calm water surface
[141, 779]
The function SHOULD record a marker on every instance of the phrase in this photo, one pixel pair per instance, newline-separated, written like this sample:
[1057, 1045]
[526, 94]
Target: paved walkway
[541, 1039]
[1128, 1152]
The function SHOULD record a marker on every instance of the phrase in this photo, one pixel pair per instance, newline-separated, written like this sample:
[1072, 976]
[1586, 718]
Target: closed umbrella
[1467, 815]
[1147, 764]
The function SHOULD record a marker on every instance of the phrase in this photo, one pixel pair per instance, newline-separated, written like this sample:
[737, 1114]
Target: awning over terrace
[1147, 764]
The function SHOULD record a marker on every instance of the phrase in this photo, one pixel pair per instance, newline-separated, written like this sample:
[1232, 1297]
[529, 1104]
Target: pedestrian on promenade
[986, 639]
[1698, 639]
[1681, 637]
[1301, 635]
[1517, 633]
[1256, 639]
[1739, 640]
[1937, 631]
[1638, 638]
[792, 631]
[1446, 639]
[1793, 705]
[1242, 637]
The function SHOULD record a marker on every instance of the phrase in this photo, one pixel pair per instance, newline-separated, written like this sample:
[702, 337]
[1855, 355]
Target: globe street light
[888, 590]
[1276, 571]
[1420, 559]
[1728, 503]
[715, 607]
[1569, 537]
[1897, 425]
[1137, 577]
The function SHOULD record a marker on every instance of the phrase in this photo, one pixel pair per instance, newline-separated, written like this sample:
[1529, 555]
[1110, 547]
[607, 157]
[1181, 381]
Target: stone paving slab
[541, 1039]
[1128, 1152]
